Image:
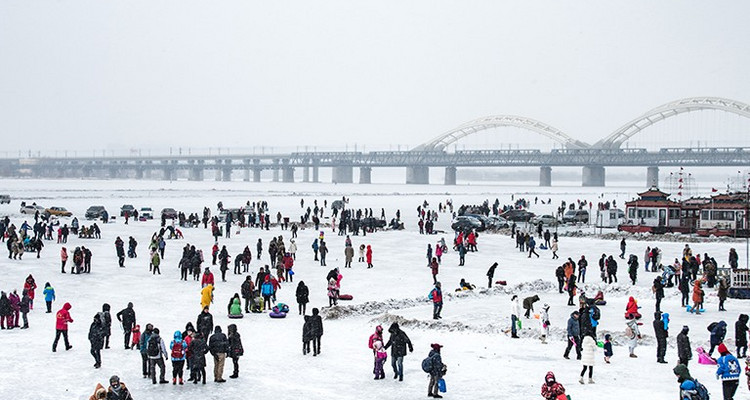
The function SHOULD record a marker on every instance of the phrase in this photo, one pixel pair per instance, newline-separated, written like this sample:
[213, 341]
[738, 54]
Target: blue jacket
[574, 327]
[266, 289]
[718, 333]
[144, 342]
[728, 368]
[49, 293]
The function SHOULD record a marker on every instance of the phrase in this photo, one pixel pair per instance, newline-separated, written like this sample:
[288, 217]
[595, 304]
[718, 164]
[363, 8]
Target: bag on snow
[427, 365]
[441, 385]
[152, 347]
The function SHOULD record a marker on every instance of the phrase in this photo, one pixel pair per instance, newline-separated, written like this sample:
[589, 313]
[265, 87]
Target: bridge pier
[246, 170]
[315, 174]
[342, 174]
[138, 173]
[450, 175]
[167, 173]
[593, 175]
[195, 174]
[545, 176]
[365, 174]
[288, 174]
[275, 170]
[256, 174]
[652, 177]
[305, 174]
[418, 175]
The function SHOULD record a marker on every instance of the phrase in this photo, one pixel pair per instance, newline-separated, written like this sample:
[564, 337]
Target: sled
[346, 297]
[689, 308]
[501, 283]
[238, 316]
[600, 302]
[277, 315]
[542, 247]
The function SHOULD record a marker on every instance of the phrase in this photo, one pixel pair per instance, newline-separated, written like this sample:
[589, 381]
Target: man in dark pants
[661, 333]
[399, 340]
[316, 328]
[683, 346]
[658, 292]
[145, 336]
[574, 335]
[127, 317]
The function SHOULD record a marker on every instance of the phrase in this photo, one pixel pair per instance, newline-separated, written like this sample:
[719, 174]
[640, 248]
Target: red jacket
[208, 279]
[434, 265]
[437, 295]
[63, 317]
[369, 255]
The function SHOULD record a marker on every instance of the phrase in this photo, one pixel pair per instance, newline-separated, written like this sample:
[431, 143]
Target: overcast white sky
[152, 74]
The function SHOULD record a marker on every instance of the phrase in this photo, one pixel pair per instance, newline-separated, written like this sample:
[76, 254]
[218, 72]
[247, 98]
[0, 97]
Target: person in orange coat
[99, 393]
[697, 296]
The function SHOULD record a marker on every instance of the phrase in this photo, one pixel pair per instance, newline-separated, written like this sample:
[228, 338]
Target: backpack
[177, 350]
[152, 348]
[596, 314]
[701, 391]
[427, 365]
[712, 326]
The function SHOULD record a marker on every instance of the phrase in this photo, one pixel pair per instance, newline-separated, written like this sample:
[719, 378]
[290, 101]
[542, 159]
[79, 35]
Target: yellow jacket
[206, 296]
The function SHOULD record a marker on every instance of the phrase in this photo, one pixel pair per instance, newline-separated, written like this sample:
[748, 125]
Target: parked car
[482, 218]
[4, 199]
[58, 211]
[127, 208]
[146, 213]
[498, 222]
[169, 213]
[464, 223]
[518, 215]
[95, 212]
[545, 219]
[575, 216]
[223, 214]
[31, 209]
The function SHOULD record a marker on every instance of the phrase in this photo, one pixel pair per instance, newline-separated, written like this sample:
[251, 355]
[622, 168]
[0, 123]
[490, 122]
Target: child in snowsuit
[607, 348]
[544, 322]
[136, 331]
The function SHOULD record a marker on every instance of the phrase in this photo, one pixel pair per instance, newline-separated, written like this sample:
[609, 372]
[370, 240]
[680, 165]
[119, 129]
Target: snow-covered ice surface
[483, 362]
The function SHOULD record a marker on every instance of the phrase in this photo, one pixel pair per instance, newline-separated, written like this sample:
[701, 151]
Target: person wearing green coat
[235, 307]
[155, 261]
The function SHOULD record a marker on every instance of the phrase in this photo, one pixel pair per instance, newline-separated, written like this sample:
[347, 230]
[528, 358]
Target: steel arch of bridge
[633, 127]
[443, 141]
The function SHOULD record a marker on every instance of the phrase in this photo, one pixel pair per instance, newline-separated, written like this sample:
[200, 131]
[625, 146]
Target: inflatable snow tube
[346, 297]
[238, 316]
[600, 302]
[277, 315]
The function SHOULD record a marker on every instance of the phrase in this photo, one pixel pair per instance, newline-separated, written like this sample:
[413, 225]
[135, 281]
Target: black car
[466, 223]
[95, 212]
[518, 215]
[169, 213]
[127, 208]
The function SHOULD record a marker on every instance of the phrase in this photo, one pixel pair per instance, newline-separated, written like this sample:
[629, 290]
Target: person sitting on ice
[463, 285]
[631, 310]
[551, 389]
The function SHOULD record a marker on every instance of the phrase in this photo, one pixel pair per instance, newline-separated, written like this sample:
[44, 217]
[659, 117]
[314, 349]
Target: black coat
[198, 350]
[205, 323]
[127, 317]
[659, 330]
[303, 294]
[316, 325]
[245, 289]
[96, 335]
[528, 303]
[235, 345]
[740, 331]
[122, 394]
[399, 340]
[4, 306]
[683, 346]
[218, 343]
